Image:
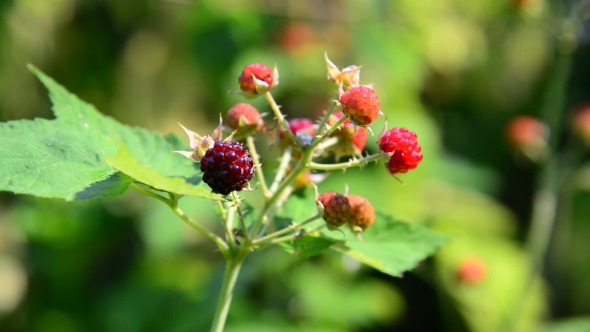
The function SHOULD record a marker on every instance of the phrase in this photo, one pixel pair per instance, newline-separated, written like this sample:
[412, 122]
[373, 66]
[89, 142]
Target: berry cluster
[356, 211]
[227, 166]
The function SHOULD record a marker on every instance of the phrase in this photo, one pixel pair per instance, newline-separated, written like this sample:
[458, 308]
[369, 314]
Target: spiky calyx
[361, 104]
[403, 147]
[336, 208]
[227, 167]
[362, 213]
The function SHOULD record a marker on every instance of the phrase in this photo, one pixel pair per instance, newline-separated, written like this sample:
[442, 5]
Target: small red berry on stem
[257, 79]
[243, 115]
[524, 130]
[403, 146]
[227, 167]
[361, 104]
[581, 122]
[471, 270]
[302, 128]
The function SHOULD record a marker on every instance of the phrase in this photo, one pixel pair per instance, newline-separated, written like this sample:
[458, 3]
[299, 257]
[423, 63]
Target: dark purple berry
[227, 167]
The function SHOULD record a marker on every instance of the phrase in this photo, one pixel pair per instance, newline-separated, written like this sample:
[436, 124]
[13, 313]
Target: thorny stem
[325, 118]
[256, 160]
[241, 216]
[320, 138]
[351, 163]
[280, 118]
[283, 166]
[285, 230]
[294, 236]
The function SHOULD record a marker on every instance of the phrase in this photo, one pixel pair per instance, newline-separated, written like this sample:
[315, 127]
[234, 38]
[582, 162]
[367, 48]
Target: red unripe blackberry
[403, 143]
[362, 213]
[261, 72]
[526, 131]
[302, 126]
[246, 113]
[581, 122]
[227, 167]
[336, 208]
[471, 270]
[361, 104]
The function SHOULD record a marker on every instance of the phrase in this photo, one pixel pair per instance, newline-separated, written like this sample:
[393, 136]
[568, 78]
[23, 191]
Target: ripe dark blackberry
[226, 167]
[403, 143]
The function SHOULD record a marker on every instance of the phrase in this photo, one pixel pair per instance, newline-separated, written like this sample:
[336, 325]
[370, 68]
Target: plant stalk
[230, 276]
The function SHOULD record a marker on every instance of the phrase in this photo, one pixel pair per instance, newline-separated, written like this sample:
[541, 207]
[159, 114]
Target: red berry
[361, 104]
[403, 143]
[362, 213]
[258, 70]
[581, 121]
[297, 38]
[350, 142]
[244, 112]
[227, 167]
[524, 130]
[336, 208]
[301, 125]
[471, 270]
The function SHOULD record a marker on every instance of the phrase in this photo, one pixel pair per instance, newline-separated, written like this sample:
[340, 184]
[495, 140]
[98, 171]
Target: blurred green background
[453, 71]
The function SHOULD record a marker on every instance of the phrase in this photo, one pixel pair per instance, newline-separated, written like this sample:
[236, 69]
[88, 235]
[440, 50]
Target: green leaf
[297, 208]
[127, 164]
[391, 246]
[577, 324]
[309, 245]
[63, 158]
[52, 159]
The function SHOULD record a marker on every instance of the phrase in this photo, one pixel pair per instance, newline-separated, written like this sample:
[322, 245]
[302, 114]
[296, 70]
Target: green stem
[280, 118]
[351, 163]
[230, 276]
[285, 230]
[293, 236]
[151, 194]
[324, 120]
[549, 181]
[333, 128]
[241, 216]
[174, 207]
[283, 166]
[256, 161]
[223, 247]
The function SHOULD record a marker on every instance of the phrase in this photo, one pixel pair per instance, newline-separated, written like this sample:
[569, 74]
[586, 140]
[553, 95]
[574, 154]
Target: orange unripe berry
[471, 270]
